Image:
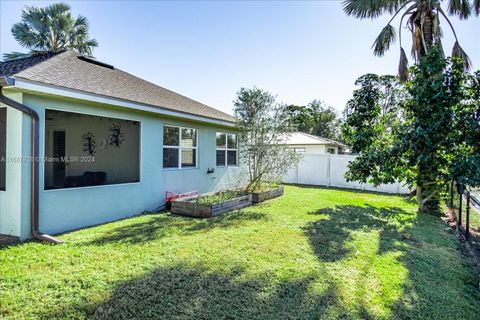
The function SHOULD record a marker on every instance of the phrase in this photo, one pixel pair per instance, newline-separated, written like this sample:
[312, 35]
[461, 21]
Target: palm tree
[422, 18]
[51, 29]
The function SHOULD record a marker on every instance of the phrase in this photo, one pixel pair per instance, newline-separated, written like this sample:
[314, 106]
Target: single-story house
[307, 143]
[84, 143]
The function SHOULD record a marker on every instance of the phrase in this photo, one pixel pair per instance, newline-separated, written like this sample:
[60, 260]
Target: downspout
[35, 180]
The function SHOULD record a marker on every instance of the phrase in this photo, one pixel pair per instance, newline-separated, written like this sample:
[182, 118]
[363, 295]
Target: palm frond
[371, 8]
[24, 35]
[86, 48]
[81, 21]
[403, 66]
[440, 47]
[408, 12]
[53, 28]
[460, 8]
[457, 51]
[476, 6]
[15, 55]
[438, 34]
[387, 36]
[57, 9]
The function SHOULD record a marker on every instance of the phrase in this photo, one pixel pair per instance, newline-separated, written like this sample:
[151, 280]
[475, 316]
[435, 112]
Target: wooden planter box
[262, 196]
[189, 207]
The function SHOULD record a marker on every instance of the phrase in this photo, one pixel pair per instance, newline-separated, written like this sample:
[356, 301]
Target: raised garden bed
[265, 195]
[211, 205]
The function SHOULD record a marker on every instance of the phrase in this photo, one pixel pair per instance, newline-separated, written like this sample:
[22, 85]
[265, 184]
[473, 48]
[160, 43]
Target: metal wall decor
[103, 143]
[89, 143]
[116, 136]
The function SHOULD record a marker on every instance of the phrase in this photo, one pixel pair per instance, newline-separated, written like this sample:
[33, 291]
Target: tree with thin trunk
[421, 18]
[263, 128]
[51, 29]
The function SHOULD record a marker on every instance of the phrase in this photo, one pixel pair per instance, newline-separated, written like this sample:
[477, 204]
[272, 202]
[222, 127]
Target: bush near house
[312, 254]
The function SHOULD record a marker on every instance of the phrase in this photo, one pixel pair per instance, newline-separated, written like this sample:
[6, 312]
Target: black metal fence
[463, 204]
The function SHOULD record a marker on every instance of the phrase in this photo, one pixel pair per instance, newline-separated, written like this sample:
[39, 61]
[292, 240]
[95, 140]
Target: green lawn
[312, 254]
[474, 220]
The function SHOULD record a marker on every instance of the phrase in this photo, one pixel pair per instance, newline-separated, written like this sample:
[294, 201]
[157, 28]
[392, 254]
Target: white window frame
[180, 147]
[226, 149]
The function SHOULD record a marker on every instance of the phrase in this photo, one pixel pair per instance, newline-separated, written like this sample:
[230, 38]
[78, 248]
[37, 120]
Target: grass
[474, 219]
[265, 186]
[312, 254]
[217, 197]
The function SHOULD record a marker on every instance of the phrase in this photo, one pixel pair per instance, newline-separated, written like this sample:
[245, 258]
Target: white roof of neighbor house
[300, 138]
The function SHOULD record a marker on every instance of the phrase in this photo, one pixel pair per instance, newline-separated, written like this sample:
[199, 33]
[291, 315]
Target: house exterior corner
[120, 195]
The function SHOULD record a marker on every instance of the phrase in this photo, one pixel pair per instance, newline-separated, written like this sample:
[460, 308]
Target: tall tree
[325, 121]
[427, 135]
[299, 117]
[315, 118]
[422, 18]
[51, 29]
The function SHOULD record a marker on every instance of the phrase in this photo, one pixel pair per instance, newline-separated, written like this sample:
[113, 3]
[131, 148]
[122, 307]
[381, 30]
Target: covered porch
[83, 150]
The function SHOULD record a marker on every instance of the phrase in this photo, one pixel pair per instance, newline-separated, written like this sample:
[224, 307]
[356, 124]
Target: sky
[208, 50]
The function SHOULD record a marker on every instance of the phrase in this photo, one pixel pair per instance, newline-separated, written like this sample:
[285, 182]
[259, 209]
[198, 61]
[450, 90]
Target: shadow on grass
[437, 284]
[329, 236]
[418, 242]
[162, 225]
[180, 293]
[407, 197]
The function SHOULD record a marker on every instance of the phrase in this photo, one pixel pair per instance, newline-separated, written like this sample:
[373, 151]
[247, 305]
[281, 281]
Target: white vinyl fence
[329, 170]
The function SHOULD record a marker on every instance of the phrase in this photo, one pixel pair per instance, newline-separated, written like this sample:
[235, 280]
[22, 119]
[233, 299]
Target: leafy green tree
[51, 29]
[325, 121]
[263, 127]
[422, 18]
[425, 134]
[299, 117]
[316, 118]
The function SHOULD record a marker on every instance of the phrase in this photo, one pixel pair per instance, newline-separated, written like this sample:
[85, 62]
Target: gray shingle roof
[73, 71]
[9, 68]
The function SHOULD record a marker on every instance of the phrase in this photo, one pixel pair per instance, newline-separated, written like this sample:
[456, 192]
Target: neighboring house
[108, 145]
[307, 143]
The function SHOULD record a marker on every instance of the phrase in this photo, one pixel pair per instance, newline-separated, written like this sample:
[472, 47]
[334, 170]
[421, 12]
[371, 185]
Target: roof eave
[29, 85]
[7, 81]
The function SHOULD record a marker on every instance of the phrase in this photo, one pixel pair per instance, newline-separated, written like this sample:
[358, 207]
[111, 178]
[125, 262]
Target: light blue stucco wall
[67, 209]
[14, 207]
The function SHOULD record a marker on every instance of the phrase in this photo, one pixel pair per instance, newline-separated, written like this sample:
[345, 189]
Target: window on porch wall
[85, 150]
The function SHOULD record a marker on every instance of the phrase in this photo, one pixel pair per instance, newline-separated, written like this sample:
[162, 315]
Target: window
[179, 147]
[331, 150]
[85, 150]
[227, 149]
